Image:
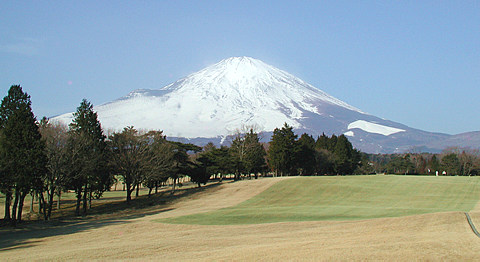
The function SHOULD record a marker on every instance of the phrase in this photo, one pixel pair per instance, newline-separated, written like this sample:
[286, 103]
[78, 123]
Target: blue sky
[413, 62]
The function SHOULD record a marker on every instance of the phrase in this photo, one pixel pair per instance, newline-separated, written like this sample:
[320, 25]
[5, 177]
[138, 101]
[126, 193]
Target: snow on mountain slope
[240, 91]
[216, 101]
[374, 128]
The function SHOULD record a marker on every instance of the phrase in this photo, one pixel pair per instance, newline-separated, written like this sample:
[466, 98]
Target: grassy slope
[346, 198]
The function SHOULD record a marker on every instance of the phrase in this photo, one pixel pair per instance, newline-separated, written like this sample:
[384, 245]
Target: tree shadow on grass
[29, 233]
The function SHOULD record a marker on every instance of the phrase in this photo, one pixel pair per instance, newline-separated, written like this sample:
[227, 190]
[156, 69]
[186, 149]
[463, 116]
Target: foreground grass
[346, 198]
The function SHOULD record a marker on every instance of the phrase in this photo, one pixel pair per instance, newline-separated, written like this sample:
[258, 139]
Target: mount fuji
[215, 102]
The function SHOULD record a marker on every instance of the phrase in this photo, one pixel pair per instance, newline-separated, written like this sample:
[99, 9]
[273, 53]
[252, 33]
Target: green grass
[346, 198]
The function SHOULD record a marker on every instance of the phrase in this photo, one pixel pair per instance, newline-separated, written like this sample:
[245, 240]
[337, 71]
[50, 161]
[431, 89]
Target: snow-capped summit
[236, 92]
[215, 101]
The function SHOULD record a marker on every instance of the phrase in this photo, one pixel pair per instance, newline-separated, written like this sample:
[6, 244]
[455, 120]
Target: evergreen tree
[400, 164]
[324, 159]
[325, 162]
[434, 164]
[322, 142]
[181, 164]
[331, 143]
[248, 154]
[220, 161]
[198, 171]
[22, 159]
[451, 164]
[306, 154]
[255, 154]
[283, 150]
[343, 152]
[88, 174]
[363, 163]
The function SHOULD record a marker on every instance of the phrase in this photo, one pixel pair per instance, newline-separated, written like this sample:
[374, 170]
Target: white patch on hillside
[349, 133]
[374, 128]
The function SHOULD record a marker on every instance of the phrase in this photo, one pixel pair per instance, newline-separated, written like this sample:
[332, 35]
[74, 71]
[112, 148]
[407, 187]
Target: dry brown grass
[440, 236]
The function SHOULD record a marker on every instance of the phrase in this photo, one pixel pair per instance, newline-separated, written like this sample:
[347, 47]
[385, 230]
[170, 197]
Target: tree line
[334, 155]
[451, 162]
[45, 159]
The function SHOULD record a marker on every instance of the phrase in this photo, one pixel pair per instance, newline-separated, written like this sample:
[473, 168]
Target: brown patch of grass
[440, 236]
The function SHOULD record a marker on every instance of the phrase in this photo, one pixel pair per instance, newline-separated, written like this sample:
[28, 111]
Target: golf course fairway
[345, 198]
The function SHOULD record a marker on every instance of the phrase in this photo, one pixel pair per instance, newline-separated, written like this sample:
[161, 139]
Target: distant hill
[465, 140]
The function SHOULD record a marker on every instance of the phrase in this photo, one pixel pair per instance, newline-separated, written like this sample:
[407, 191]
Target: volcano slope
[417, 234]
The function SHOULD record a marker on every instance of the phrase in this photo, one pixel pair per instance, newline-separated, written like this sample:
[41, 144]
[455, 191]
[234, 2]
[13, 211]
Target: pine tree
[451, 164]
[343, 152]
[88, 173]
[434, 164]
[331, 143]
[220, 160]
[181, 164]
[325, 162]
[255, 154]
[248, 154]
[22, 151]
[306, 154]
[322, 142]
[400, 164]
[198, 171]
[283, 150]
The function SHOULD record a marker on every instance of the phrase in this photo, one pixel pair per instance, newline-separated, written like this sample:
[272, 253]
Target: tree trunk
[58, 201]
[156, 187]
[50, 202]
[41, 199]
[31, 202]
[40, 207]
[79, 200]
[129, 192]
[8, 203]
[138, 188]
[14, 208]
[174, 184]
[85, 203]
[20, 206]
[90, 200]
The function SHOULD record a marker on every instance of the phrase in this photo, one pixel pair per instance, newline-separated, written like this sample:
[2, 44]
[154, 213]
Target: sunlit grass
[346, 198]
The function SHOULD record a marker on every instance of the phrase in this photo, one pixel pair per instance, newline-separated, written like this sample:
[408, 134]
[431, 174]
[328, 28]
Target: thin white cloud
[24, 46]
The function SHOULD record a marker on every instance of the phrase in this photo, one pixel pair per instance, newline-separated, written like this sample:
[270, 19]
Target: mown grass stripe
[346, 198]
